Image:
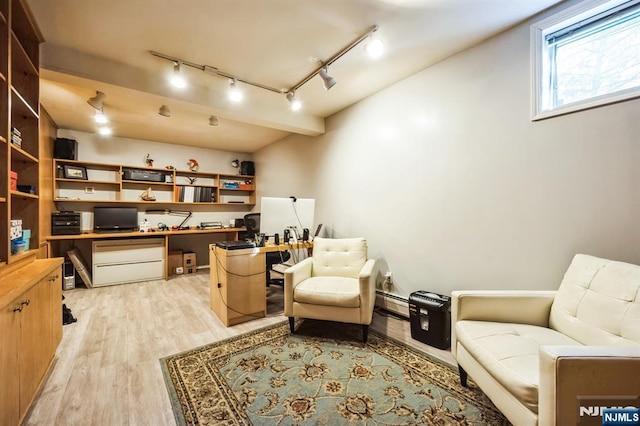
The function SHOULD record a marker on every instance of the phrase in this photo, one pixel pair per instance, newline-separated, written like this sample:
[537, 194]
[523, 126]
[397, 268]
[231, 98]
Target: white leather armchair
[335, 284]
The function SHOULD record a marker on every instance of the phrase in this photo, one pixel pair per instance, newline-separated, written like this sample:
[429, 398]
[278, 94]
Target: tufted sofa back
[343, 257]
[598, 302]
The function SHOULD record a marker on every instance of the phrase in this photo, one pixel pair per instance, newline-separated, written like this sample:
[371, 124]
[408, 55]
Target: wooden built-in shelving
[105, 183]
[19, 109]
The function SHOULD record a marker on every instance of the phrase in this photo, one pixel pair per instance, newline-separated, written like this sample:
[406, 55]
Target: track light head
[213, 121]
[177, 79]
[164, 111]
[97, 101]
[374, 47]
[100, 118]
[327, 81]
[235, 94]
[295, 102]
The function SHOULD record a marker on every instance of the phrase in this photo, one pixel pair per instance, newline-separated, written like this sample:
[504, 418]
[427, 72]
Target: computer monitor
[278, 214]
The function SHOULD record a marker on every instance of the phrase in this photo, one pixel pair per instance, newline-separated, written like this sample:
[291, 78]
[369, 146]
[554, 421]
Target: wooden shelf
[22, 155]
[82, 181]
[24, 195]
[117, 190]
[137, 182]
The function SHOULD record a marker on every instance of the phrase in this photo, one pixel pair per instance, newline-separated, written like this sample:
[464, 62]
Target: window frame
[539, 63]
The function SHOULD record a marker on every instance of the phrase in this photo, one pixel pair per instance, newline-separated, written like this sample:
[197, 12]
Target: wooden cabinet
[19, 124]
[81, 181]
[31, 325]
[238, 291]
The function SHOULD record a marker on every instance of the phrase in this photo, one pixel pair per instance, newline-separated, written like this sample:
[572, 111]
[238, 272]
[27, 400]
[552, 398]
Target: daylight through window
[587, 56]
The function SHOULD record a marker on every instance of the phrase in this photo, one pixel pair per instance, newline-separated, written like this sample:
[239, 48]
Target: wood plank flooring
[107, 370]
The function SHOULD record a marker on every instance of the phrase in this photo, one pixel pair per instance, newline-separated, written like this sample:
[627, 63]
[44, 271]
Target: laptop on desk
[235, 245]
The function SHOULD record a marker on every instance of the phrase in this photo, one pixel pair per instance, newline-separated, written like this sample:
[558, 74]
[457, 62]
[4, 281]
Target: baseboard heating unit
[392, 303]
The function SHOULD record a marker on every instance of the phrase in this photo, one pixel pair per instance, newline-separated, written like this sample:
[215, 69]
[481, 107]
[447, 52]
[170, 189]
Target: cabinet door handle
[53, 278]
[18, 308]
[26, 302]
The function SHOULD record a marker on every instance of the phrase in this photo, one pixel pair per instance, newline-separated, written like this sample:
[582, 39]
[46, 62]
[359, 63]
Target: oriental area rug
[321, 375]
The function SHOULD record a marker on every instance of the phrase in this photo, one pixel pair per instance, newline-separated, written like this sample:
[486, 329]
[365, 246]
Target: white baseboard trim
[392, 303]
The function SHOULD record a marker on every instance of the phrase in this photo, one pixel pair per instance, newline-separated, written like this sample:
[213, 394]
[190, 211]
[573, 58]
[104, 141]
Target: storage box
[175, 262]
[14, 181]
[17, 246]
[189, 263]
[26, 236]
[29, 189]
[16, 228]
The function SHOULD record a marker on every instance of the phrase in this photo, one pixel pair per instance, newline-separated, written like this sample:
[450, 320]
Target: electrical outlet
[88, 189]
[388, 281]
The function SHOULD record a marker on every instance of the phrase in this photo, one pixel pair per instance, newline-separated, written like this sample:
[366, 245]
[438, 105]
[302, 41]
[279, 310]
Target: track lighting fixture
[374, 47]
[97, 101]
[235, 94]
[327, 81]
[177, 79]
[213, 121]
[295, 102]
[164, 111]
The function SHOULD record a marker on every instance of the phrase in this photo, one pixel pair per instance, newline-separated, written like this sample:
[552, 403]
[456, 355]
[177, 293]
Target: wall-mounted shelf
[105, 183]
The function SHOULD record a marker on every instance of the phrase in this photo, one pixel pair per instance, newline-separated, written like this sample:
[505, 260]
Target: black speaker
[65, 149]
[247, 168]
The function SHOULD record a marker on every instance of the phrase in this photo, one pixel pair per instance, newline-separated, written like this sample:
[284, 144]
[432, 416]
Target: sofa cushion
[331, 291]
[598, 302]
[509, 353]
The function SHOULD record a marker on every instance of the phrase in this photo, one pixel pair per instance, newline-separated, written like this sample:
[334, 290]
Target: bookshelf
[19, 126]
[105, 183]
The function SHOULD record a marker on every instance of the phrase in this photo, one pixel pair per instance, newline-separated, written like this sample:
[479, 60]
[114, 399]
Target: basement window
[586, 56]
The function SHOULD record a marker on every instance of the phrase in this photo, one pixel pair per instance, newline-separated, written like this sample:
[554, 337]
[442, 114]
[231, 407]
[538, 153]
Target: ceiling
[93, 45]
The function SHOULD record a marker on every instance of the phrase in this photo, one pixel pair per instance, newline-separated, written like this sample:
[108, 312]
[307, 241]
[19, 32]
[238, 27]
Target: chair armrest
[367, 284]
[601, 375]
[522, 307]
[293, 276]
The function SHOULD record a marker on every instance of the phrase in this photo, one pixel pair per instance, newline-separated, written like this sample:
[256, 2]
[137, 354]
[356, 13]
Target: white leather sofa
[335, 284]
[539, 355]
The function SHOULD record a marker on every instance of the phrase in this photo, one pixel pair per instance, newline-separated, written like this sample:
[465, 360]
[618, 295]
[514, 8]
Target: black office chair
[252, 223]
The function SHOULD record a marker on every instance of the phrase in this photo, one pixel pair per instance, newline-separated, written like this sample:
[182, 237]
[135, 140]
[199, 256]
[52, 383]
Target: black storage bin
[430, 316]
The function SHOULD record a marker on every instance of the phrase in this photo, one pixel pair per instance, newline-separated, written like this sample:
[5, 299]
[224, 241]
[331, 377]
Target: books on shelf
[16, 137]
[196, 194]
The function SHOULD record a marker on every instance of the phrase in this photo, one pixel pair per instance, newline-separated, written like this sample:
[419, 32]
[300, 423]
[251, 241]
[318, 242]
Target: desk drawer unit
[127, 261]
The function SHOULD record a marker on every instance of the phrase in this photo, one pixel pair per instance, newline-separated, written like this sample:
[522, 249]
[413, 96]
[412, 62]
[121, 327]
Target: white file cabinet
[127, 261]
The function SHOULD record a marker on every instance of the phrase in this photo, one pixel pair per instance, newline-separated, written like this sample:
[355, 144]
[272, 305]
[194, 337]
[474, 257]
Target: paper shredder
[430, 316]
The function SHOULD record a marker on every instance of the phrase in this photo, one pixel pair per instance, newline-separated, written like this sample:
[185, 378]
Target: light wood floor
[107, 370]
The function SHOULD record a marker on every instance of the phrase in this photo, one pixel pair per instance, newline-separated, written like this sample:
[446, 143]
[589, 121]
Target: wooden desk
[230, 234]
[238, 290]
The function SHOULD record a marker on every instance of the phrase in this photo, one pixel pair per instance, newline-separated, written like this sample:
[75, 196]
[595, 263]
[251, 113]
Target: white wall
[455, 188]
